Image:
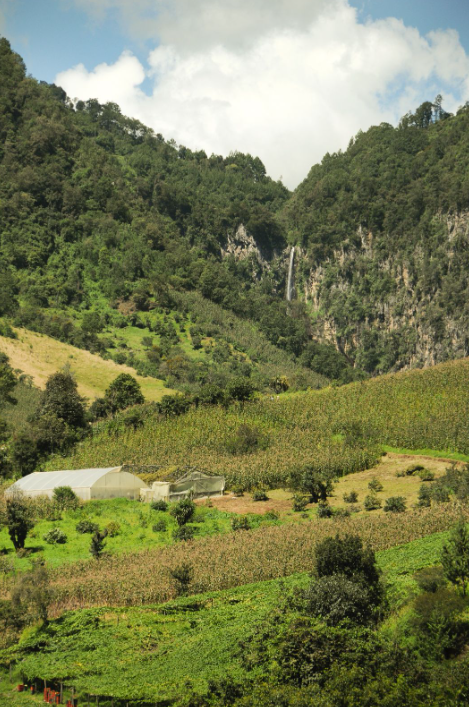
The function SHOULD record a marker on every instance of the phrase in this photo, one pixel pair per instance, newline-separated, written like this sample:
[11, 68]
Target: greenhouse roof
[45, 480]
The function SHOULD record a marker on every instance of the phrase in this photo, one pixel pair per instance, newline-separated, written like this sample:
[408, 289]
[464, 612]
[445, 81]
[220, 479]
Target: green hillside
[337, 430]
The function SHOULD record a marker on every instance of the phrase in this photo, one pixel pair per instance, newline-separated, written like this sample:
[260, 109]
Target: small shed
[88, 484]
[193, 484]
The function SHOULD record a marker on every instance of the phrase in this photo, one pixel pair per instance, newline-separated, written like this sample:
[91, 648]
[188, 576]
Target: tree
[240, 389]
[183, 511]
[183, 576]
[348, 557]
[65, 497]
[123, 392]
[455, 556]
[19, 520]
[318, 486]
[61, 399]
[97, 543]
[7, 381]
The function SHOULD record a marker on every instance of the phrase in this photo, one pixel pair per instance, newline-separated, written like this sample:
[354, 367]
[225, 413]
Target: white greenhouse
[194, 484]
[88, 484]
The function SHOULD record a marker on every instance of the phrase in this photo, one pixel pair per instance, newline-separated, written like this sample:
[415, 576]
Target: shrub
[430, 579]
[426, 475]
[182, 575]
[55, 536]
[65, 497]
[97, 544]
[435, 617]
[413, 468]
[160, 526]
[440, 493]
[86, 526]
[113, 529]
[342, 513]
[375, 485]
[335, 598]
[259, 495]
[19, 520]
[271, 515]
[159, 505]
[351, 497]
[372, 502]
[324, 510]
[238, 491]
[123, 392]
[346, 556]
[425, 495]
[183, 511]
[246, 440]
[395, 504]
[183, 532]
[240, 523]
[455, 556]
[299, 502]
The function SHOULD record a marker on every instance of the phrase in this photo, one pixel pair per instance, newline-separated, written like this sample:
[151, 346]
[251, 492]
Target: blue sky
[285, 79]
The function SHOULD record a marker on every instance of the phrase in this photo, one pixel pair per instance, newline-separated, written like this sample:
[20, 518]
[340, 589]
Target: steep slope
[384, 235]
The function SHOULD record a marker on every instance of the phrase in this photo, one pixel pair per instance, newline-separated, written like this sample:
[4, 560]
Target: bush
[324, 510]
[372, 502]
[183, 511]
[299, 502]
[182, 575]
[86, 526]
[375, 485]
[113, 529]
[342, 512]
[426, 475]
[351, 497]
[430, 579]
[55, 536]
[435, 617]
[395, 504]
[240, 523]
[159, 505]
[65, 497]
[413, 468]
[160, 526]
[183, 532]
[259, 495]
[335, 598]
[271, 515]
[346, 556]
[425, 495]
[246, 440]
[440, 493]
[238, 491]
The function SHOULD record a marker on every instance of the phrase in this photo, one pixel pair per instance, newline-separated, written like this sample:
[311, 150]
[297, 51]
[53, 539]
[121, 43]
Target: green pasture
[136, 521]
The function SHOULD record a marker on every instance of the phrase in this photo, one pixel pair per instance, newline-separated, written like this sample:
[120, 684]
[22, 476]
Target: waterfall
[290, 282]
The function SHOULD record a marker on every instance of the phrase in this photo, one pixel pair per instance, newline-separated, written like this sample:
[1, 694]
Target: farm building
[88, 484]
[193, 484]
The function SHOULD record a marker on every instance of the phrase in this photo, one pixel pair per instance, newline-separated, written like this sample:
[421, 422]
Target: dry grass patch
[39, 356]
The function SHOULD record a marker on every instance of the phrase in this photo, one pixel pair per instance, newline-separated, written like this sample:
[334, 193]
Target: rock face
[242, 245]
[387, 313]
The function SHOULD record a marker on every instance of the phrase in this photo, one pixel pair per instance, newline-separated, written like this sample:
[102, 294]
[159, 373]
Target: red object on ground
[46, 694]
[20, 688]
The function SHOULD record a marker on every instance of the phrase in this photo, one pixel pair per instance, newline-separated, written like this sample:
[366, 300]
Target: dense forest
[105, 223]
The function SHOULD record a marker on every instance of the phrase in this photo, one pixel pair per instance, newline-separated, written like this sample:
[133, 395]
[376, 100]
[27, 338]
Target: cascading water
[290, 281]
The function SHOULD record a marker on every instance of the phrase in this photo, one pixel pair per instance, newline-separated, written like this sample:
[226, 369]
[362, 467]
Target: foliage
[113, 529]
[160, 526]
[183, 576]
[259, 495]
[324, 510]
[159, 505]
[455, 556]
[240, 523]
[300, 502]
[19, 520]
[55, 536]
[184, 533]
[395, 504]
[247, 440]
[98, 543]
[336, 598]
[372, 502]
[351, 497]
[123, 392]
[317, 485]
[183, 511]
[375, 485]
[86, 526]
[65, 497]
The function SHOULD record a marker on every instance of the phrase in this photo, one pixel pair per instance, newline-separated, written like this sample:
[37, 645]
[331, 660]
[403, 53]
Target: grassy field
[337, 430]
[151, 652]
[39, 356]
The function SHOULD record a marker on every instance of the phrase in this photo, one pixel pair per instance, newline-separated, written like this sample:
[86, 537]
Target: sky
[285, 80]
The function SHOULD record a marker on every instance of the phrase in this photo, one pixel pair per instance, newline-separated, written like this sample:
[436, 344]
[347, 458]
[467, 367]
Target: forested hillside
[106, 226]
[384, 235]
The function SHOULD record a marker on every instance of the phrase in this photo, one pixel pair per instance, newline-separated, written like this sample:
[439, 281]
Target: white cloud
[294, 93]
